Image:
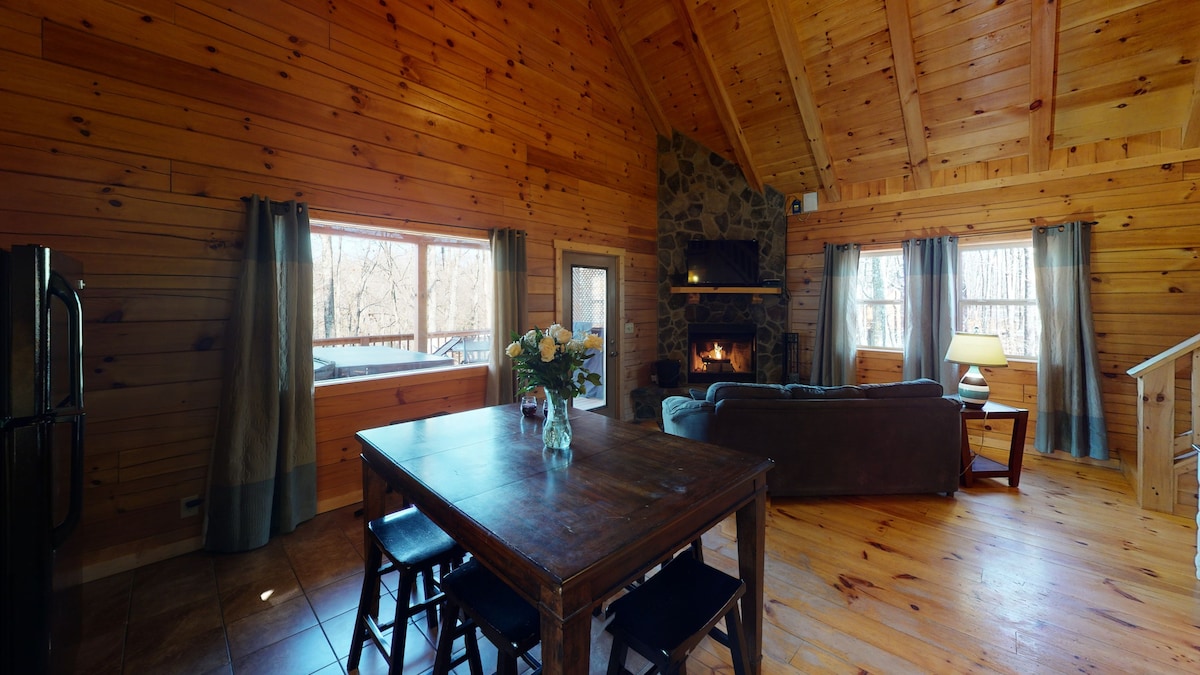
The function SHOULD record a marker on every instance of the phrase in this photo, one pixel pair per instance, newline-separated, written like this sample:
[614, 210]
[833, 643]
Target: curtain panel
[836, 343]
[1069, 407]
[262, 479]
[930, 308]
[509, 315]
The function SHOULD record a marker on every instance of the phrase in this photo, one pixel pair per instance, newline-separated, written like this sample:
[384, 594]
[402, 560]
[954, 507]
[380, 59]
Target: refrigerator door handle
[61, 289]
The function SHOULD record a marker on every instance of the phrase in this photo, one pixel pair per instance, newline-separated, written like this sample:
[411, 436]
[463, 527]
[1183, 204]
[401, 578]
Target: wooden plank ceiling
[847, 96]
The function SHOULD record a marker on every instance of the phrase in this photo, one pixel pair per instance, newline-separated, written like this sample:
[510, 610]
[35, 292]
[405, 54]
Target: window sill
[438, 373]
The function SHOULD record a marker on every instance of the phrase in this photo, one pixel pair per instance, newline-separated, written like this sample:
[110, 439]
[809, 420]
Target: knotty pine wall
[129, 130]
[1145, 260]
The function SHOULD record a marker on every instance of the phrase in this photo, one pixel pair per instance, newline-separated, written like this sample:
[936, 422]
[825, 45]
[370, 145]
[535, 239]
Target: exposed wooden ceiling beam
[641, 84]
[905, 63]
[789, 45]
[1191, 125]
[1043, 72]
[702, 55]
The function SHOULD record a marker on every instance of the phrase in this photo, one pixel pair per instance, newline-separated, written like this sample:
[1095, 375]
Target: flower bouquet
[553, 360]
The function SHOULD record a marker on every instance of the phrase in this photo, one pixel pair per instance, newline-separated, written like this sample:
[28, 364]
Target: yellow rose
[547, 348]
[562, 336]
[514, 349]
[592, 342]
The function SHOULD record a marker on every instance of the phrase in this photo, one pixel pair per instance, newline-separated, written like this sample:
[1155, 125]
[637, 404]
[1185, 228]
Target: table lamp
[974, 350]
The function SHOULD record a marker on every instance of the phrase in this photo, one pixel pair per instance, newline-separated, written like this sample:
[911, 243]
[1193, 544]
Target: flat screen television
[722, 262]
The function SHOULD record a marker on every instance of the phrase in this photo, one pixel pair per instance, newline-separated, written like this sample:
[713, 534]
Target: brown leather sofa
[870, 439]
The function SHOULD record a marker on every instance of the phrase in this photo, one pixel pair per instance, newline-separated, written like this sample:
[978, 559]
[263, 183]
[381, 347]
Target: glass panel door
[590, 295]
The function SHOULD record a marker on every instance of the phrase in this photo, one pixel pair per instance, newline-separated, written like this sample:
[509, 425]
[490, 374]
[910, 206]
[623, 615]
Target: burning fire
[717, 352]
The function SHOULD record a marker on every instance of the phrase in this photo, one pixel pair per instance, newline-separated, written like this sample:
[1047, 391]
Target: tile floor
[287, 608]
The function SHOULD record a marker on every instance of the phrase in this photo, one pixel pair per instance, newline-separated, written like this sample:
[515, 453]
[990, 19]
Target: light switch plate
[629, 328]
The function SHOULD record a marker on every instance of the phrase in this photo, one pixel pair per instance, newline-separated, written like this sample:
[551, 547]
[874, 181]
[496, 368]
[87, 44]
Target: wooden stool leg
[616, 658]
[450, 630]
[430, 591]
[737, 642]
[368, 602]
[445, 645]
[506, 664]
[400, 627]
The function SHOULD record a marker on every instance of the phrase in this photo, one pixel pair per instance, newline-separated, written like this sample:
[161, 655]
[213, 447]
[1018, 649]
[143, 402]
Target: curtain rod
[889, 242]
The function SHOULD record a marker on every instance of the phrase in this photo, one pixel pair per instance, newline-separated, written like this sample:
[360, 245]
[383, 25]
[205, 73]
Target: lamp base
[973, 389]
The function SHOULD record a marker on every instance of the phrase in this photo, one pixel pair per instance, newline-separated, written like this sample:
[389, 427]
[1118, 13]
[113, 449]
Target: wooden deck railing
[469, 346]
[400, 341]
[1163, 455]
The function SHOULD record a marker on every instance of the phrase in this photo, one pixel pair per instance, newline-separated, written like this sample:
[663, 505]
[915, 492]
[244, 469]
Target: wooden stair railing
[1160, 450]
[1156, 422]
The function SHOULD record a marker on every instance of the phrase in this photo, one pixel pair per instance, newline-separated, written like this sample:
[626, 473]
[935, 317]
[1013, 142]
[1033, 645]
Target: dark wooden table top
[568, 530]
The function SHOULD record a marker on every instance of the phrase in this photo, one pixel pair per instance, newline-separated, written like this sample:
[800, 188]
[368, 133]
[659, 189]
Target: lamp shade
[976, 349]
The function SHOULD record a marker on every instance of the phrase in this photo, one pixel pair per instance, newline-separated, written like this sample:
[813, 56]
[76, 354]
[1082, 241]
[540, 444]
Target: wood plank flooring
[1064, 574]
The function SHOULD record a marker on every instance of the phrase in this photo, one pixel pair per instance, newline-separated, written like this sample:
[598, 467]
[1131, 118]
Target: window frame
[336, 225]
[1031, 302]
[977, 244]
[899, 303]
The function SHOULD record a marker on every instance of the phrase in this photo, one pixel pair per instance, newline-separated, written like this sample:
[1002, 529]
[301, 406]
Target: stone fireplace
[721, 353]
[702, 196]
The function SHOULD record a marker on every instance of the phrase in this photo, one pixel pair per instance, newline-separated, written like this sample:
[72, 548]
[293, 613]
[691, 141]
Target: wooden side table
[982, 467]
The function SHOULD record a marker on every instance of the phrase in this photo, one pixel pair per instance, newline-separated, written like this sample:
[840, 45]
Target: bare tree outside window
[392, 290]
[997, 295]
[881, 299]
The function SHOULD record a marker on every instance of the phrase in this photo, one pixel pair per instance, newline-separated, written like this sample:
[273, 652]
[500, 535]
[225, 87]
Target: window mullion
[422, 333]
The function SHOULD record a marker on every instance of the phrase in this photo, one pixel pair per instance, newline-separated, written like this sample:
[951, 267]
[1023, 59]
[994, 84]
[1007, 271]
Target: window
[881, 299]
[997, 294]
[390, 301]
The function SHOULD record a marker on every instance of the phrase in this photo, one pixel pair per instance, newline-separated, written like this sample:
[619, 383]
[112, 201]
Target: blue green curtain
[930, 308]
[263, 476]
[1070, 412]
[836, 344]
[509, 284]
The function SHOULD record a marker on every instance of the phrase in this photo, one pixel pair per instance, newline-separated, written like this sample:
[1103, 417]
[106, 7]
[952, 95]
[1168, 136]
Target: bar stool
[665, 618]
[484, 601]
[413, 545]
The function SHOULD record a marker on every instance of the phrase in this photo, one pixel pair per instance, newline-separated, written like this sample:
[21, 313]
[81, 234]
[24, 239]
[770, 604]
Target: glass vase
[556, 431]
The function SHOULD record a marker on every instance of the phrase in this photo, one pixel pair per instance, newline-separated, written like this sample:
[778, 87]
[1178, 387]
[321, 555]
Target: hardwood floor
[1064, 574]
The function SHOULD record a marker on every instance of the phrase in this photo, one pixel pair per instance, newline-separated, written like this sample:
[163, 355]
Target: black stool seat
[413, 545]
[410, 539]
[486, 602]
[665, 618]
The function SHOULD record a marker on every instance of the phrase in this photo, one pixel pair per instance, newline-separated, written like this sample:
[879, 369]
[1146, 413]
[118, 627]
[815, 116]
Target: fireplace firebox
[721, 353]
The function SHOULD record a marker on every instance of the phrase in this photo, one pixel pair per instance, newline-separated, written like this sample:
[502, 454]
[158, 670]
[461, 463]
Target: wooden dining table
[570, 529]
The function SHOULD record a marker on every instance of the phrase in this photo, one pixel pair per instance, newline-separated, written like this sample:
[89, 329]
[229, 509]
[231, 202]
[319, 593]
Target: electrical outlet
[190, 506]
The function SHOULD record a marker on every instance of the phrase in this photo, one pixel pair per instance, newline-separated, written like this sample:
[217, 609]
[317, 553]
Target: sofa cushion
[811, 391]
[720, 391]
[921, 388]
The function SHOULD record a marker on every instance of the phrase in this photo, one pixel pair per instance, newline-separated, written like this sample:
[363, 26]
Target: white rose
[514, 349]
[547, 349]
[563, 336]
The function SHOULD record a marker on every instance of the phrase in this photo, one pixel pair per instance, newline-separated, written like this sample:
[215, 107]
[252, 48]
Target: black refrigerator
[41, 446]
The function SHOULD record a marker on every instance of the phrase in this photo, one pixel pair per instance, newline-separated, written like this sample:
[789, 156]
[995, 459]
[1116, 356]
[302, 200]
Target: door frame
[615, 404]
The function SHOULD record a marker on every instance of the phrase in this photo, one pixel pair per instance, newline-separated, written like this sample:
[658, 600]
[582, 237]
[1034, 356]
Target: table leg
[566, 645]
[967, 477]
[752, 539]
[1016, 449]
[373, 506]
